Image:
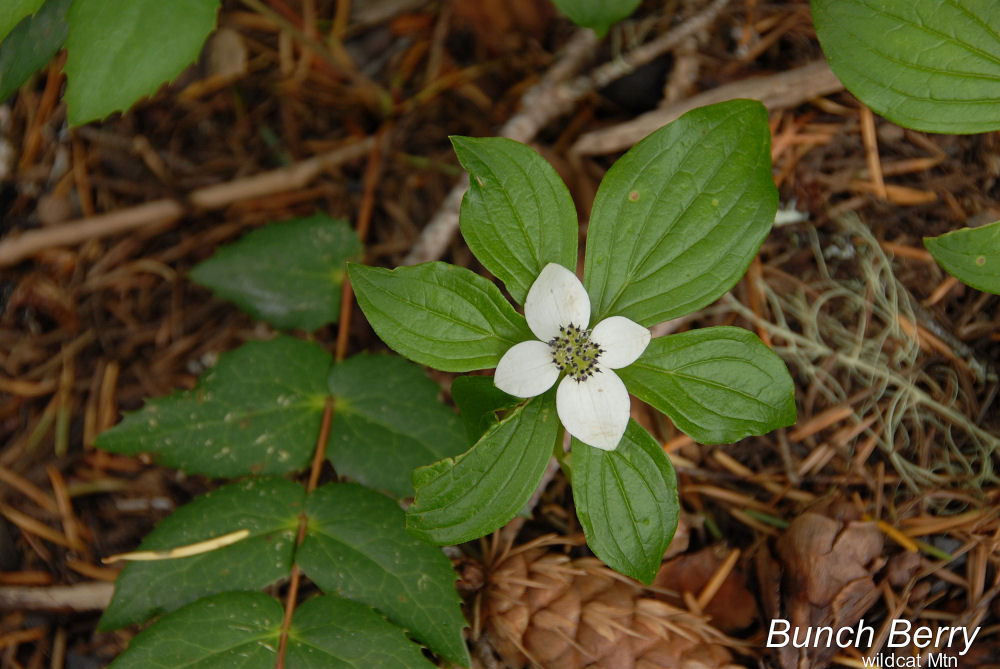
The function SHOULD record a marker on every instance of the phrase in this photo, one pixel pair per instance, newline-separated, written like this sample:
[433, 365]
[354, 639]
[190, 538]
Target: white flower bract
[591, 400]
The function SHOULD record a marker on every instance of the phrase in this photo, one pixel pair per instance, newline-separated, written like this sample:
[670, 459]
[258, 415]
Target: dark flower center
[574, 353]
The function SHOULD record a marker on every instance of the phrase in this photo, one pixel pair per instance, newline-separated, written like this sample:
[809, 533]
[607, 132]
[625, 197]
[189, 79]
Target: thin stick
[372, 173]
[319, 455]
[167, 211]
[777, 91]
[871, 152]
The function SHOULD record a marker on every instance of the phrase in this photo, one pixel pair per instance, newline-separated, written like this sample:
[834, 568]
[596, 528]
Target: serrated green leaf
[31, 45]
[439, 315]
[242, 630]
[122, 50]
[14, 12]
[924, 64]
[233, 630]
[478, 399]
[972, 255]
[517, 215]
[599, 15]
[335, 633]
[258, 411]
[477, 492]
[626, 500]
[717, 384]
[679, 217]
[357, 547]
[288, 274]
[387, 421]
[268, 508]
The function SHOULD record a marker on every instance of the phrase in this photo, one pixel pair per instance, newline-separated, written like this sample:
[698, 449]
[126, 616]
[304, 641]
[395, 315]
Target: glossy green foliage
[517, 215]
[466, 497]
[626, 500]
[439, 315]
[931, 65]
[717, 384]
[677, 220]
[972, 255]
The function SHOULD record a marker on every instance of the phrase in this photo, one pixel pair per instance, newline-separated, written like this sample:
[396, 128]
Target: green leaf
[478, 399]
[235, 630]
[517, 215]
[679, 217]
[387, 421]
[242, 630]
[972, 255]
[121, 50]
[924, 64]
[717, 384]
[14, 12]
[31, 45]
[357, 547]
[477, 492]
[597, 14]
[288, 274]
[626, 500]
[258, 411]
[334, 633]
[268, 508]
[439, 315]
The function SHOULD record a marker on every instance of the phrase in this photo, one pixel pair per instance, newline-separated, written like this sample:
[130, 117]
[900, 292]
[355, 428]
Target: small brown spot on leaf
[634, 196]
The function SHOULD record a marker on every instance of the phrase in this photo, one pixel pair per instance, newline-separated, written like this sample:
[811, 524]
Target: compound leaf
[288, 274]
[242, 630]
[120, 50]
[268, 508]
[626, 500]
[677, 220]
[972, 255]
[330, 632]
[387, 421]
[477, 492]
[235, 630]
[924, 64]
[717, 384]
[517, 215]
[357, 547]
[258, 411]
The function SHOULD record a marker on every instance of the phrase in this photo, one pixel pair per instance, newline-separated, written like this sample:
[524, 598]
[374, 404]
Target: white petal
[623, 341]
[594, 411]
[556, 298]
[526, 369]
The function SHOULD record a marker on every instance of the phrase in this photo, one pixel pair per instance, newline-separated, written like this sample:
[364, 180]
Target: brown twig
[778, 91]
[319, 455]
[166, 211]
[372, 174]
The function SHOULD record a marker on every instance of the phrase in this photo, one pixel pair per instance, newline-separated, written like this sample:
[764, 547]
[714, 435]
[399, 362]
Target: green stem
[557, 450]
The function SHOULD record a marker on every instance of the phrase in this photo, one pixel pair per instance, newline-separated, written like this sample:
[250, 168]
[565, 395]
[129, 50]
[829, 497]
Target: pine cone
[545, 609]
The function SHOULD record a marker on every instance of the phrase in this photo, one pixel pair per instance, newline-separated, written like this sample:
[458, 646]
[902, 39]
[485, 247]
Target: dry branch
[778, 91]
[166, 211]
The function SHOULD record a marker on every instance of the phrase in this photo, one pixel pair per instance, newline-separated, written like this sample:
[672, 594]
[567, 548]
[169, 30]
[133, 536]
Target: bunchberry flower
[591, 400]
